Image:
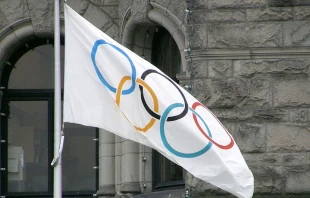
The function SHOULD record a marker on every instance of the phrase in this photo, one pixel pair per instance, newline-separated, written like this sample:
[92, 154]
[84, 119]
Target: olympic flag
[109, 87]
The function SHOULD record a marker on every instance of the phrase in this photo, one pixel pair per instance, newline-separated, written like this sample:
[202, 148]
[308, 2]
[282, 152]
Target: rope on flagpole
[60, 149]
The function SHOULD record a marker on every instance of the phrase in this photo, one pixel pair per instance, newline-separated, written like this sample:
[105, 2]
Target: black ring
[150, 111]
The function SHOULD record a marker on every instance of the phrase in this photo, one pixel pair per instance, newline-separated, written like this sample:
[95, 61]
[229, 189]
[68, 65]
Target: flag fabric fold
[109, 87]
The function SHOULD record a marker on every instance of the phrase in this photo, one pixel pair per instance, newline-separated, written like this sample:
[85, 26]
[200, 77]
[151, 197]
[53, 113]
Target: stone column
[145, 168]
[130, 167]
[106, 164]
[118, 165]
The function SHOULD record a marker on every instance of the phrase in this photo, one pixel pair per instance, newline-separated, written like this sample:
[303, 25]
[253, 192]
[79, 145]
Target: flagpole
[57, 103]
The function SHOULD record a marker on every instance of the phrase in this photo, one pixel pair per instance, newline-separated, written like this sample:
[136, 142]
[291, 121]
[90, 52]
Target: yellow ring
[155, 100]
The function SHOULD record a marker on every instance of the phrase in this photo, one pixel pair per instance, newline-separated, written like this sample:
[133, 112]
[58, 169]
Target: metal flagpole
[57, 111]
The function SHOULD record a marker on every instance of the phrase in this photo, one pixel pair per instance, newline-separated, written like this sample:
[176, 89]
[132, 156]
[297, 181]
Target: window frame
[32, 95]
[156, 185]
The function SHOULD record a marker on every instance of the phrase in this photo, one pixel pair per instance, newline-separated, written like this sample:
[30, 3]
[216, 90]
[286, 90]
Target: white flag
[109, 87]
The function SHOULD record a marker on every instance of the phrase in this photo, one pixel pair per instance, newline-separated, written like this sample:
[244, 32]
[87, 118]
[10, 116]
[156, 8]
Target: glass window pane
[166, 57]
[79, 158]
[35, 69]
[28, 149]
[167, 171]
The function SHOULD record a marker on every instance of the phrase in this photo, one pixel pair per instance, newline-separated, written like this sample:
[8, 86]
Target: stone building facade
[246, 60]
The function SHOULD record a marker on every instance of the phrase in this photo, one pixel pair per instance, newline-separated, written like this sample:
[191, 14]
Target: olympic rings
[228, 146]
[155, 100]
[152, 113]
[164, 139]
[102, 79]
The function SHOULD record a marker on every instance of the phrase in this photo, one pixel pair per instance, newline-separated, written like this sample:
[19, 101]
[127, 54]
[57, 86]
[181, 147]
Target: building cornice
[235, 54]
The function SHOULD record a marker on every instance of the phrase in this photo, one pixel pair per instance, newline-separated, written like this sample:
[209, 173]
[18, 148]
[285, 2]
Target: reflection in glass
[27, 150]
[79, 158]
[39, 61]
[168, 171]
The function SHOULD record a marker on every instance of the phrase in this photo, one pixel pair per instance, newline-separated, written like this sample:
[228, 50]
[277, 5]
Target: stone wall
[251, 68]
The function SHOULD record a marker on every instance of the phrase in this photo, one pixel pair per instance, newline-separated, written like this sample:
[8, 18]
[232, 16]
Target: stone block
[299, 115]
[198, 68]
[237, 3]
[79, 6]
[220, 68]
[236, 92]
[113, 32]
[271, 114]
[199, 4]
[3, 22]
[163, 3]
[199, 90]
[301, 2]
[118, 170]
[201, 188]
[301, 13]
[287, 138]
[224, 93]
[139, 11]
[236, 114]
[244, 35]
[291, 93]
[296, 33]
[258, 94]
[123, 7]
[258, 115]
[177, 8]
[108, 191]
[14, 11]
[298, 180]
[280, 3]
[107, 149]
[268, 179]
[42, 16]
[98, 18]
[276, 159]
[198, 37]
[129, 146]
[215, 16]
[112, 11]
[280, 67]
[105, 3]
[251, 138]
[269, 14]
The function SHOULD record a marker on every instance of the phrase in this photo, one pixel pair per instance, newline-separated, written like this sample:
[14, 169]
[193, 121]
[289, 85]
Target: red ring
[228, 146]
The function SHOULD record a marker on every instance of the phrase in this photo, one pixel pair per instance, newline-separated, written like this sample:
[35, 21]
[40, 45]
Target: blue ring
[164, 139]
[104, 82]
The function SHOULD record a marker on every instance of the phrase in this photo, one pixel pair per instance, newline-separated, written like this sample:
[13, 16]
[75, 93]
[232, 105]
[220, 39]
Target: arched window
[166, 56]
[27, 129]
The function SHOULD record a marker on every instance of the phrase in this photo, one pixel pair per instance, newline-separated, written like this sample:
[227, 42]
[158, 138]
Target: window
[27, 130]
[166, 56]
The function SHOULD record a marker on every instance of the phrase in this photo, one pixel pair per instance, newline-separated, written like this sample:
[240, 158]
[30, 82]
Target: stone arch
[15, 35]
[130, 29]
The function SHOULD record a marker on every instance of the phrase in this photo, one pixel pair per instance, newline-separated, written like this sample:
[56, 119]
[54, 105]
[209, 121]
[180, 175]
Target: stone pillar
[145, 168]
[118, 161]
[130, 167]
[106, 163]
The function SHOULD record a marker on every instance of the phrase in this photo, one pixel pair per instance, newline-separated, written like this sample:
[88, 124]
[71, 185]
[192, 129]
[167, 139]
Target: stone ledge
[164, 194]
[108, 190]
[251, 53]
